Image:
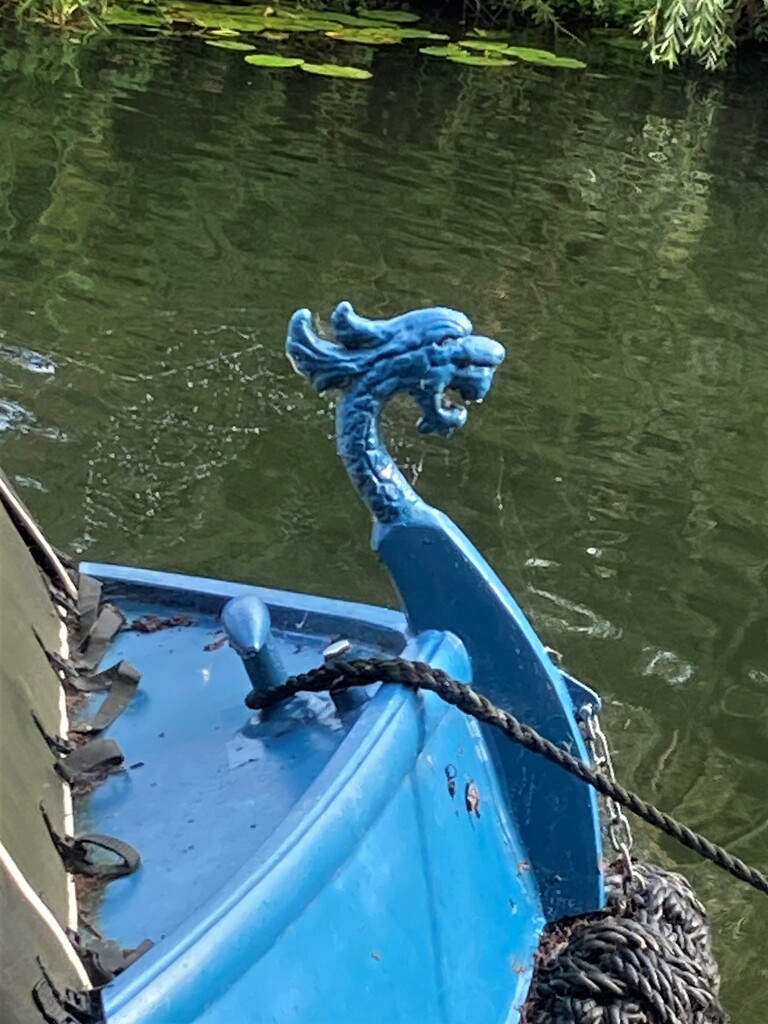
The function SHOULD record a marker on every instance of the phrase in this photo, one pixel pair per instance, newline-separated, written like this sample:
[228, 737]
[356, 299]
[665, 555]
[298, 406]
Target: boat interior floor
[205, 781]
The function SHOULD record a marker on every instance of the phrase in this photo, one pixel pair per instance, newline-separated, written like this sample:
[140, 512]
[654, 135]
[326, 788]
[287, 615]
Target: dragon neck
[369, 464]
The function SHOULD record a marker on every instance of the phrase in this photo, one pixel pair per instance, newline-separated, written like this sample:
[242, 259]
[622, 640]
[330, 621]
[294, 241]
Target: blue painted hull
[367, 857]
[305, 871]
[363, 859]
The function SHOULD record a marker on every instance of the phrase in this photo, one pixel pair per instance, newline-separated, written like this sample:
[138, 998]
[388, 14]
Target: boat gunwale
[209, 595]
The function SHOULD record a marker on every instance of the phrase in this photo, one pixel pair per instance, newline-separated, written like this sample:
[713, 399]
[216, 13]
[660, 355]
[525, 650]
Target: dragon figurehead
[424, 353]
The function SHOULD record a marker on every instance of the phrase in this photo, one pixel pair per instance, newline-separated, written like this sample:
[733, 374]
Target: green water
[163, 210]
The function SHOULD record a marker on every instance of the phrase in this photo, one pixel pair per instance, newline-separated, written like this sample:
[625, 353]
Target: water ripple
[573, 617]
[27, 359]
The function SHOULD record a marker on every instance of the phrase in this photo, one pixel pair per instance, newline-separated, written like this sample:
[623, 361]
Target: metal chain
[619, 829]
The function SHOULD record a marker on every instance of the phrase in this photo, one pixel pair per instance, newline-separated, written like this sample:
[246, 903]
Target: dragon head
[424, 353]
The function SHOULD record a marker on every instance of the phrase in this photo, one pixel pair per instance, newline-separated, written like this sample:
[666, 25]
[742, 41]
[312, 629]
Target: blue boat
[369, 856]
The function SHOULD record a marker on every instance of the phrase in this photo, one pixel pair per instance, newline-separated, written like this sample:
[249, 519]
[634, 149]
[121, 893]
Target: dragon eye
[445, 340]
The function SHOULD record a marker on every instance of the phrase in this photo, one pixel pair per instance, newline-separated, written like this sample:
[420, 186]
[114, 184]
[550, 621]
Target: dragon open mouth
[472, 382]
[468, 373]
[443, 415]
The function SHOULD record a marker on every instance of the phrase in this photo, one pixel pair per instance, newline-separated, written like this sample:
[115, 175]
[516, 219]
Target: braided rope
[646, 960]
[335, 676]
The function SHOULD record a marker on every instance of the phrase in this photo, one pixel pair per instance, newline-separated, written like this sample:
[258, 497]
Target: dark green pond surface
[163, 210]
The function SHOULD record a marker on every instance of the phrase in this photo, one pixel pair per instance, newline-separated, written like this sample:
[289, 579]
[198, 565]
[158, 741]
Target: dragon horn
[326, 364]
[355, 331]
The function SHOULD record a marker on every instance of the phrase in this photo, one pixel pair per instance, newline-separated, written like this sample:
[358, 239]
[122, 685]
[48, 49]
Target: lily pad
[566, 62]
[248, 22]
[222, 24]
[336, 71]
[545, 57]
[204, 19]
[400, 17]
[441, 51]
[478, 61]
[229, 44]
[207, 15]
[383, 34]
[352, 20]
[187, 13]
[486, 45]
[367, 36]
[130, 16]
[290, 24]
[273, 60]
[420, 33]
[253, 9]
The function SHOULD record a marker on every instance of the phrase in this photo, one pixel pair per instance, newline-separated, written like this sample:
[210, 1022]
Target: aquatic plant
[63, 12]
[335, 71]
[497, 53]
[670, 31]
[703, 29]
[234, 27]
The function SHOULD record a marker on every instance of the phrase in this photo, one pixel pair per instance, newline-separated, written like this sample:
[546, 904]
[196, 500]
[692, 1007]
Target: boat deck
[320, 865]
[206, 784]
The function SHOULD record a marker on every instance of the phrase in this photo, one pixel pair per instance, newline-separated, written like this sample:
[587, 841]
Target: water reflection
[163, 208]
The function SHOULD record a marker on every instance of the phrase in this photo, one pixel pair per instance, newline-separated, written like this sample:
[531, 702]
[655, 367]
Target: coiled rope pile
[645, 958]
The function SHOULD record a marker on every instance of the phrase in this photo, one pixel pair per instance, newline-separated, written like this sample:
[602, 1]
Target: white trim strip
[14, 871]
[69, 810]
[34, 900]
[35, 532]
